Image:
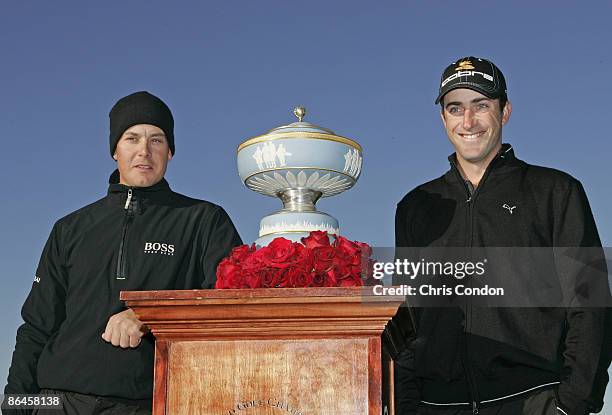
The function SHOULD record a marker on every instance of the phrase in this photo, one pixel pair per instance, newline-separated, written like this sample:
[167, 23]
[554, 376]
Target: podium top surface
[263, 312]
[348, 294]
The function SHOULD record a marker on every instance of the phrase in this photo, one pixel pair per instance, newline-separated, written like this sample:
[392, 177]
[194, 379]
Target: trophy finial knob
[299, 112]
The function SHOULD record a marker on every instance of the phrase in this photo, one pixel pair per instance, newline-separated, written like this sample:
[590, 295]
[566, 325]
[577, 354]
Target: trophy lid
[297, 129]
[300, 113]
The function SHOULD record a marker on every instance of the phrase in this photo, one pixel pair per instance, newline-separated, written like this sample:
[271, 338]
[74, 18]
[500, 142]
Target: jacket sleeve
[585, 359]
[42, 313]
[219, 239]
[407, 394]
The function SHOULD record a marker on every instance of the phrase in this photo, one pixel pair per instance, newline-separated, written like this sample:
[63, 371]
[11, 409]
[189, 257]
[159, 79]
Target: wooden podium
[279, 351]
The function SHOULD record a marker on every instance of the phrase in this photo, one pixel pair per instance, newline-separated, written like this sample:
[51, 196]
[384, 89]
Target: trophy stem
[299, 200]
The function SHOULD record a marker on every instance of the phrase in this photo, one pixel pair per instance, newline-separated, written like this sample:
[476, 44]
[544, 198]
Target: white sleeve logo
[36, 279]
[159, 248]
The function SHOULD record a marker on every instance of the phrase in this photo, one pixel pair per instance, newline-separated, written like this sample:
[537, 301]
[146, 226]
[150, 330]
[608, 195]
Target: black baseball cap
[473, 73]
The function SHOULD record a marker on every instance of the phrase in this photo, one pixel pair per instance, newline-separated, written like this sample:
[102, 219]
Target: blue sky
[234, 69]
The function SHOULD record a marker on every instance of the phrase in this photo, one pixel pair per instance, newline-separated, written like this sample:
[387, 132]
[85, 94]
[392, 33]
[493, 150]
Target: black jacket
[157, 240]
[476, 355]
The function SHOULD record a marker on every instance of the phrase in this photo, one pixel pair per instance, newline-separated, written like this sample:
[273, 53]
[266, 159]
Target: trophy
[298, 163]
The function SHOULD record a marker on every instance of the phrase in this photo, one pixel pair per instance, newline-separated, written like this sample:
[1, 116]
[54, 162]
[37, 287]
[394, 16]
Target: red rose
[284, 278]
[344, 244]
[348, 276]
[330, 278]
[270, 277]
[298, 277]
[278, 253]
[349, 250]
[253, 280]
[303, 257]
[343, 271]
[357, 271]
[228, 274]
[253, 262]
[323, 257]
[295, 277]
[240, 253]
[343, 260]
[366, 250]
[316, 239]
[318, 279]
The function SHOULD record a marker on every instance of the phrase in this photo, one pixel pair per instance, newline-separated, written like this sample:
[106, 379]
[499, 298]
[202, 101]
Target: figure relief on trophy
[298, 163]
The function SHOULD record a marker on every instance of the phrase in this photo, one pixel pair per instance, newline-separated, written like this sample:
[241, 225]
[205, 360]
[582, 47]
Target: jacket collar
[159, 193]
[504, 162]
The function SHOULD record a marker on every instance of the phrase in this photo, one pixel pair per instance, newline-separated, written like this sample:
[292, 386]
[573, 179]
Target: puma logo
[510, 209]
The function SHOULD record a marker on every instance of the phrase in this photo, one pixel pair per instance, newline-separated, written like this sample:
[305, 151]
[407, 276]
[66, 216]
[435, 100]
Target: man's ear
[443, 119]
[169, 155]
[506, 112]
[115, 156]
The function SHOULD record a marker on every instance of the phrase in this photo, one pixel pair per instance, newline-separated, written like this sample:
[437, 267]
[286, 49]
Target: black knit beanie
[140, 108]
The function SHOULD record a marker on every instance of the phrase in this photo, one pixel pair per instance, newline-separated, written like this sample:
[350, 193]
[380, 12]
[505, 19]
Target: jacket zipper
[468, 312]
[122, 260]
[471, 199]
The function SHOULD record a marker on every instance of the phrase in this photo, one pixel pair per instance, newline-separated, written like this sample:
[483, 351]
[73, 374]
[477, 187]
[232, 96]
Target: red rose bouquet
[315, 262]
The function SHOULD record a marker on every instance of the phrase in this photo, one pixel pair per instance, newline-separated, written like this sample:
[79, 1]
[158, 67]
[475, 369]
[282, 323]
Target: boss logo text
[158, 248]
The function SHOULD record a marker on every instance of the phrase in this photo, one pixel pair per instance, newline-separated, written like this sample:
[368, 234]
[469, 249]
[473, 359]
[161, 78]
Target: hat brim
[469, 85]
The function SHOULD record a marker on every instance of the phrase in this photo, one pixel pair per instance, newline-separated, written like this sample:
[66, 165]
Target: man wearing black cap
[472, 359]
[78, 341]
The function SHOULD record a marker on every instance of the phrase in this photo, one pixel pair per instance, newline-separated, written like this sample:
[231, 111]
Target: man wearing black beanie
[79, 343]
[141, 138]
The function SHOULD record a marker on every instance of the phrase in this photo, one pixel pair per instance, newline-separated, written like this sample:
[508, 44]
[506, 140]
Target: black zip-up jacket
[476, 356]
[132, 239]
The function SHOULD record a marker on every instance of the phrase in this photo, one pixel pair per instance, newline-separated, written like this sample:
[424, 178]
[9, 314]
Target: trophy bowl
[298, 163]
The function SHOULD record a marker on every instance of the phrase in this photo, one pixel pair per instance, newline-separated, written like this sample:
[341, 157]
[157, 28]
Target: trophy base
[295, 226]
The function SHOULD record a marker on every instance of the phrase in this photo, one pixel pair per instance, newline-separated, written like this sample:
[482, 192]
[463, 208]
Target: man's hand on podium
[124, 329]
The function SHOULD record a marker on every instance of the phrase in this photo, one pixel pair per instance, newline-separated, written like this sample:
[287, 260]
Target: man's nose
[144, 148]
[468, 119]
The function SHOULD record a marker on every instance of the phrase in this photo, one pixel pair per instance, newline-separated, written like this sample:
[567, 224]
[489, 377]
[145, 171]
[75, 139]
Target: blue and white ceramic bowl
[299, 155]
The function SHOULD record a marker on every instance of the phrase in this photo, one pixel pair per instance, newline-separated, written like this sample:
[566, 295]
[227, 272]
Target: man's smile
[472, 136]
